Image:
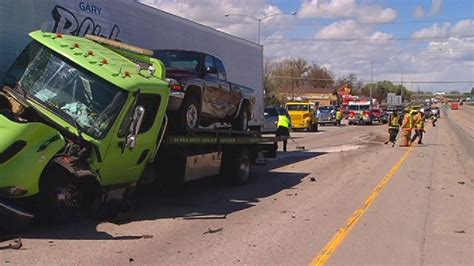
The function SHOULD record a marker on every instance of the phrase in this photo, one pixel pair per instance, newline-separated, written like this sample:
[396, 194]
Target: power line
[363, 39]
[393, 81]
[361, 23]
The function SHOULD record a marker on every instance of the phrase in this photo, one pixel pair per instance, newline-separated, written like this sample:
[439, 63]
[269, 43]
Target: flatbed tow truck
[83, 122]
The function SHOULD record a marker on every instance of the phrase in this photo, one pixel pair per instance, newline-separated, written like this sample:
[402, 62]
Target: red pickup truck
[201, 93]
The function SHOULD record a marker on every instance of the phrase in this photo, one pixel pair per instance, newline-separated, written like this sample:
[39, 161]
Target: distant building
[322, 96]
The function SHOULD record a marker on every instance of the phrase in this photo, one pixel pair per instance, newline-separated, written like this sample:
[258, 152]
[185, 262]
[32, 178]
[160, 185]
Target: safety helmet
[422, 110]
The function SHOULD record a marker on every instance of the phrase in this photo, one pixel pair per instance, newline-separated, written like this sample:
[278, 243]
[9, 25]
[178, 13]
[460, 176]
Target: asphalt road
[347, 199]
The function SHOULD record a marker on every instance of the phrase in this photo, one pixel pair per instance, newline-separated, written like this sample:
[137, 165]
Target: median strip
[331, 247]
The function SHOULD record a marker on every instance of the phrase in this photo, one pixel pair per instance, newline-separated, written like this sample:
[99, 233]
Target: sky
[424, 44]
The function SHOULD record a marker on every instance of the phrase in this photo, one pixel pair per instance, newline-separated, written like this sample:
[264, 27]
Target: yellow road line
[343, 232]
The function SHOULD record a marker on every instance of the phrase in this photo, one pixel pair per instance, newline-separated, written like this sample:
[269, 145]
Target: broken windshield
[70, 91]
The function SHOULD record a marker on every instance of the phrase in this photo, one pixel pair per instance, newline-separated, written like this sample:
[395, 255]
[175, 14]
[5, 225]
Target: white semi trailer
[132, 22]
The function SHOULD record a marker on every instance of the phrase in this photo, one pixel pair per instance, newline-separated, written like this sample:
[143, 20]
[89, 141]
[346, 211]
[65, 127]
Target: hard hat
[422, 110]
[406, 109]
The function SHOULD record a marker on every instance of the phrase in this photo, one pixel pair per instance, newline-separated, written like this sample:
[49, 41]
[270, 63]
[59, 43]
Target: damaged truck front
[80, 122]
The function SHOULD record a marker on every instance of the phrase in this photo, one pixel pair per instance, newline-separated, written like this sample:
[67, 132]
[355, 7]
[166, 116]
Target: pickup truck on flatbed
[201, 93]
[82, 123]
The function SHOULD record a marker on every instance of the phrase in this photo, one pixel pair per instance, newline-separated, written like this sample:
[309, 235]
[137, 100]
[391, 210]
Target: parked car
[271, 118]
[201, 93]
[327, 115]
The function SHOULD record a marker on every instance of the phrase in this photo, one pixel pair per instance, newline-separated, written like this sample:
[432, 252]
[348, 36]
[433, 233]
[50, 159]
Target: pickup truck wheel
[242, 122]
[236, 167]
[190, 113]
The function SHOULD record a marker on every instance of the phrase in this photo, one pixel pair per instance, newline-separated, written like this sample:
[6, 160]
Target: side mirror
[135, 124]
[211, 70]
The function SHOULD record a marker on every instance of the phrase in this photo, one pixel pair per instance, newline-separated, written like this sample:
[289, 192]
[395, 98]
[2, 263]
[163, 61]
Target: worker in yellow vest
[407, 127]
[393, 128]
[339, 117]
[419, 126]
[283, 129]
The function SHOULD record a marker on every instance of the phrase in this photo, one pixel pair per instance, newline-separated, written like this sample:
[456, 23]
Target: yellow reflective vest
[395, 122]
[283, 121]
[420, 121]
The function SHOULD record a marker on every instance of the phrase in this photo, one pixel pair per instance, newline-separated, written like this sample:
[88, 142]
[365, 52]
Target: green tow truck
[83, 121]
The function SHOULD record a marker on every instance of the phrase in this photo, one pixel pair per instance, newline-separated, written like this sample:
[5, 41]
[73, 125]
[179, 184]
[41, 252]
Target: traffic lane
[423, 216]
[463, 118]
[260, 227]
[281, 229]
[330, 136]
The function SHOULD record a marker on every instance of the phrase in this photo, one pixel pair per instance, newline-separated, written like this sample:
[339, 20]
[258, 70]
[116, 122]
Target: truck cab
[303, 115]
[359, 112]
[80, 123]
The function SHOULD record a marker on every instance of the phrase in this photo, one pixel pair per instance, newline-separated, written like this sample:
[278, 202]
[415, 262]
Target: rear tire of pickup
[190, 114]
[236, 166]
[242, 121]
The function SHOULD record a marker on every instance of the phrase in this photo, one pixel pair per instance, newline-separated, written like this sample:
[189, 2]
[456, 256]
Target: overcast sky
[414, 41]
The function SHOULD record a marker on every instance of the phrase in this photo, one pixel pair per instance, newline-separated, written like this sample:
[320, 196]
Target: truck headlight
[13, 191]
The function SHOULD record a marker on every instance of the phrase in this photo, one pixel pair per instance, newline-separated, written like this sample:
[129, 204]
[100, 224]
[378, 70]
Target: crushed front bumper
[13, 218]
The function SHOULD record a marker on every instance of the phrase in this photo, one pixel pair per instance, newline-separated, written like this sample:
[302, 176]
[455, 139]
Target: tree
[319, 77]
[454, 92]
[381, 88]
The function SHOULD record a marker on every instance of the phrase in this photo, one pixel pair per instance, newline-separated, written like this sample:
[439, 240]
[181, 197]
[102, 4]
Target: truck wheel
[189, 114]
[242, 121]
[59, 199]
[236, 167]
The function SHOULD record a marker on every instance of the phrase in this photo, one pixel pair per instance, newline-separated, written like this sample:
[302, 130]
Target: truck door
[124, 165]
[213, 93]
[227, 91]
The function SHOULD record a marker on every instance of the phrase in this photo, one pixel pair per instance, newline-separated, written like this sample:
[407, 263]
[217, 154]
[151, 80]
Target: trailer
[131, 22]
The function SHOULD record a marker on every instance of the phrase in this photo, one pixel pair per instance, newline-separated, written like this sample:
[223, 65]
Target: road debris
[213, 231]
[460, 231]
[14, 244]
[312, 179]
[461, 182]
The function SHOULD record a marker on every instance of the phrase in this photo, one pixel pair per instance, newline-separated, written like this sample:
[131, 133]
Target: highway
[347, 199]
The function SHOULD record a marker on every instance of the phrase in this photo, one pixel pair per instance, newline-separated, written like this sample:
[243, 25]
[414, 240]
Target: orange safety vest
[408, 121]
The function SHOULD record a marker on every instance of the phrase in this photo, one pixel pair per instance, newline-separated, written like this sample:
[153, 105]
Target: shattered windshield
[71, 92]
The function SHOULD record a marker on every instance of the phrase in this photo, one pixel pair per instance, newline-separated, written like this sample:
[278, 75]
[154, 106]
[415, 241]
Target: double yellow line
[343, 232]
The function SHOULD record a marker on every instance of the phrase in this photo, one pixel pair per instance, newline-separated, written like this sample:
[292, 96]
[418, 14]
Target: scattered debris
[461, 182]
[15, 244]
[451, 195]
[312, 179]
[293, 216]
[213, 231]
[147, 236]
[131, 260]
[460, 231]
[307, 220]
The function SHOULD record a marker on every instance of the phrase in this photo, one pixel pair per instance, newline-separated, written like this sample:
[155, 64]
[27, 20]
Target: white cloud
[211, 13]
[437, 30]
[436, 7]
[343, 30]
[346, 9]
[463, 28]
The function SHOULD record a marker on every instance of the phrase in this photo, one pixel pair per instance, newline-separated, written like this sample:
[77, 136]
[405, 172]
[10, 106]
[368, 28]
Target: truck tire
[236, 166]
[190, 114]
[242, 121]
[59, 198]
